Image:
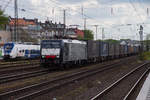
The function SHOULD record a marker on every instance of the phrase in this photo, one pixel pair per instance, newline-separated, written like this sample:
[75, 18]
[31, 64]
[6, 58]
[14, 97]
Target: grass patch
[145, 56]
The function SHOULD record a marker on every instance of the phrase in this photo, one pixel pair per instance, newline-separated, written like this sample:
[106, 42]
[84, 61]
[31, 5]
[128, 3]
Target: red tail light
[47, 57]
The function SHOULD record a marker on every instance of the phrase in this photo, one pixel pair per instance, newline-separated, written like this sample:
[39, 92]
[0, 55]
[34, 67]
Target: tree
[88, 35]
[3, 19]
[112, 41]
[147, 42]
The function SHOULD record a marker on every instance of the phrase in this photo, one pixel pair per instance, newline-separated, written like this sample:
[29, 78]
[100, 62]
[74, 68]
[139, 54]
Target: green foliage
[111, 41]
[80, 38]
[88, 35]
[145, 56]
[0, 52]
[125, 39]
[3, 19]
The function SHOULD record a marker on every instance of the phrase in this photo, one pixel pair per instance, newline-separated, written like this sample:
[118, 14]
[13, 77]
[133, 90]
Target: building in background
[74, 33]
[41, 30]
[29, 26]
[130, 42]
[5, 36]
[52, 30]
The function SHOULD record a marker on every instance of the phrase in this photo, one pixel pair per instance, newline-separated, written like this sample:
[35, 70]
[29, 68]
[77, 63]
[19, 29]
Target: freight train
[64, 52]
[21, 50]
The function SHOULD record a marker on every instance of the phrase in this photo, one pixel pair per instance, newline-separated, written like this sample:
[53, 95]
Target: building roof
[23, 22]
[74, 32]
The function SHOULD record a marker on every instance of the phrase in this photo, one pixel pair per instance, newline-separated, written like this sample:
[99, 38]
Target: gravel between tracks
[52, 75]
[137, 89]
[5, 63]
[79, 86]
[86, 88]
[120, 90]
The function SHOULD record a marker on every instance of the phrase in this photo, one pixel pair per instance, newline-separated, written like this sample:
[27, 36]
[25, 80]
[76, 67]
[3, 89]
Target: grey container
[74, 52]
[104, 49]
[111, 50]
[126, 50]
[122, 50]
[117, 51]
[93, 49]
[135, 48]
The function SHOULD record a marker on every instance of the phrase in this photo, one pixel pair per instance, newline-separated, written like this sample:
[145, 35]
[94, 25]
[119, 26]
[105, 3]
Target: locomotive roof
[74, 41]
[68, 41]
[17, 43]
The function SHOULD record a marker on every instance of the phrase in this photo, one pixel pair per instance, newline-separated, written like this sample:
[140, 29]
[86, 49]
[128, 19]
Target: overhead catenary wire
[6, 5]
[82, 14]
[141, 6]
[130, 1]
[24, 10]
[32, 10]
[28, 11]
[58, 6]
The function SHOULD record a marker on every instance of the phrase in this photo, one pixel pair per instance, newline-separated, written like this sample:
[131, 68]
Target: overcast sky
[112, 15]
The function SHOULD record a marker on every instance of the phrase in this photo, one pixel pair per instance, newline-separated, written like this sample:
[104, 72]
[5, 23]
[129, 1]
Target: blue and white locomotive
[20, 50]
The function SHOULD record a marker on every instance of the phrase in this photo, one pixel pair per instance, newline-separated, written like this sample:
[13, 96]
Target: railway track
[118, 86]
[9, 78]
[2, 63]
[135, 86]
[35, 90]
[12, 70]
[17, 65]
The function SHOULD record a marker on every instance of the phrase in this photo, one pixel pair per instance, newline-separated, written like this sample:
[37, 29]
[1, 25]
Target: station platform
[145, 91]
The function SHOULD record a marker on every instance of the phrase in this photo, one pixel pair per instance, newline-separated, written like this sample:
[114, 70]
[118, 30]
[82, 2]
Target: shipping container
[129, 50]
[125, 50]
[104, 49]
[93, 49]
[111, 50]
[132, 49]
[117, 52]
[135, 49]
[74, 51]
[122, 50]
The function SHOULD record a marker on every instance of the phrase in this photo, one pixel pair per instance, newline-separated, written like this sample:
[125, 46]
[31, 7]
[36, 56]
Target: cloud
[71, 1]
[96, 11]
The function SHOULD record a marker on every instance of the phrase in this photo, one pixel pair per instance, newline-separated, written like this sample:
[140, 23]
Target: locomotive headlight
[57, 56]
[43, 56]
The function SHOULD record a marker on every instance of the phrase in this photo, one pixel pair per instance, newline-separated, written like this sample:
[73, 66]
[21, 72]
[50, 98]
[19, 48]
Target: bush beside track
[145, 56]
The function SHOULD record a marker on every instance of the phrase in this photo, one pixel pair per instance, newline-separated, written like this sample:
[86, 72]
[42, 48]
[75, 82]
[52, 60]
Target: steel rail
[117, 82]
[79, 76]
[16, 62]
[5, 79]
[16, 65]
[136, 84]
[18, 69]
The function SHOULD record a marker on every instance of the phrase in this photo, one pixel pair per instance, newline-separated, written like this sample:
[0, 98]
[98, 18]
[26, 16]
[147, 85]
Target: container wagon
[117, 50]
[93, 50]
[121, 50]
[111, 51]
[104, 50]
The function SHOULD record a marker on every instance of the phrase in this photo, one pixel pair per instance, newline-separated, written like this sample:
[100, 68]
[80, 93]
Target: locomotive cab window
[51, 44]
